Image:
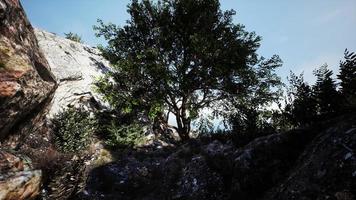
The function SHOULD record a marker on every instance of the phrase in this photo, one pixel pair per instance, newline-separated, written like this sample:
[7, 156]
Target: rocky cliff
[75, 67]
[26, 83]
[25, 78]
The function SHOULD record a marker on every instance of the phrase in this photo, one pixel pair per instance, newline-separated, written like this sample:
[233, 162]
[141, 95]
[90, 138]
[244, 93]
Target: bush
[125, 135]
[73, 129]
[2, 65]
[74, 37]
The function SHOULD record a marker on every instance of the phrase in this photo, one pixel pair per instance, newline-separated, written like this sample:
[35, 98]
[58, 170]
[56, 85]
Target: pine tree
[327, 97]
[303, 107]
[347, 76]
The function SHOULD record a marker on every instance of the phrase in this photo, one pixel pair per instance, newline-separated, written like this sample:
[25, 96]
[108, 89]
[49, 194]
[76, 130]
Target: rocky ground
[41, 74]
[301, 164]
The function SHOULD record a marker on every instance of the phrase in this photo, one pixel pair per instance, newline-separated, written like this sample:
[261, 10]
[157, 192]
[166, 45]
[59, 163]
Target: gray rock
[75, 66]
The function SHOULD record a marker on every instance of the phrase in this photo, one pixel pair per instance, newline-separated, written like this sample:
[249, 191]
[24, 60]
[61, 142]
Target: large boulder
[326, 169]
[25, 78]
[265, 161]
[75, 66]
[18, 179]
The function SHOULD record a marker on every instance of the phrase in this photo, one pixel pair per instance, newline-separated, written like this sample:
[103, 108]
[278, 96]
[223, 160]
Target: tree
[303, 106]
[347, 75]
[327, 97]
[74, 37]
[250, 113]
[180, 56]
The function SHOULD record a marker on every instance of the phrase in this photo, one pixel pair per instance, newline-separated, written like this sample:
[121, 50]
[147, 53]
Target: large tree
[180, 56]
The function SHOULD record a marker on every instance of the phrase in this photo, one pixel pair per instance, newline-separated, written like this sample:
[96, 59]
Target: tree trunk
[183, 133]
[183, 124]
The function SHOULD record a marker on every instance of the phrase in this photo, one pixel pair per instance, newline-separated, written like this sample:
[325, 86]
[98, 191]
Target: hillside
[43, 75]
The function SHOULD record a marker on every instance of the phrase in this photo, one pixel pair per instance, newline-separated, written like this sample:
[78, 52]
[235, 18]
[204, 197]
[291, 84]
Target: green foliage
[181, 57]
[124, 135]
[2, 65]
[251, 122]
[250, 115]
[73, 129]
[204, 125]
[74, 37]
[280, 119]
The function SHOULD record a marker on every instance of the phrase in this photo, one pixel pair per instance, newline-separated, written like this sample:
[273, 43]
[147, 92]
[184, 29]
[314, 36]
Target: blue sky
[305, 33]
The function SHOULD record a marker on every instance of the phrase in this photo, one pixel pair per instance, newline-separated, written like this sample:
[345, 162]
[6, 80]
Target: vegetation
[167, 59]
[124, 135]
[347, 77]
[303, 101]
[74, 37]
[2, 65]
[73, 129]
[309, 104]
[326, 95]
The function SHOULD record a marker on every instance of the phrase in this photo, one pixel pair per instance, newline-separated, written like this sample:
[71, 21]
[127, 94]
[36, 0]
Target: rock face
[292, 165]
[25, 79]
[196, 170]
[326, 169]
[75, 67]
[17, 178]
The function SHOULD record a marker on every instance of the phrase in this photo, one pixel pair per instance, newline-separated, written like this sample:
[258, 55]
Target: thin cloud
[344, 11]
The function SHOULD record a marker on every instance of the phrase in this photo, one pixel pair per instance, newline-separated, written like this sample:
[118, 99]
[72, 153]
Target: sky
[305, 33]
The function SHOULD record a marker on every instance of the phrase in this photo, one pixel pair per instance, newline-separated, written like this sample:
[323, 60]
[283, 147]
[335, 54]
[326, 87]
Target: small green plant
[124, 135]
[2, 65]
[74, 37]
[73, 129]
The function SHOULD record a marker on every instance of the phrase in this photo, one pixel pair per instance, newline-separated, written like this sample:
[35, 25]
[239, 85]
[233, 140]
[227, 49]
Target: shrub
[73, 129]
[2, 65]
[124, 135]
[74, 37]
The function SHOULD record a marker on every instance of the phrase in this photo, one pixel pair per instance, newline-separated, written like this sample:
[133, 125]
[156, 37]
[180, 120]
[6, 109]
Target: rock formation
[75, 67]
[326, 169]
[18, 179]
[25, 83]
[278, 166]
[25, 79]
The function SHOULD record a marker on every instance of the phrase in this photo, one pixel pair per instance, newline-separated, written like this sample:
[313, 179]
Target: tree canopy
[181, 56]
